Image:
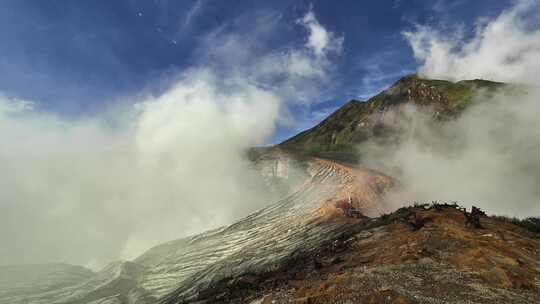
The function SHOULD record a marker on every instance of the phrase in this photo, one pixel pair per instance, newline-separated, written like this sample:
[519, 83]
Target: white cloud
[14, 105]
[176, 169]
[81, 191]
[504, 49]
[488, 156]
[296, 74]
[193, 12]
[320, 40]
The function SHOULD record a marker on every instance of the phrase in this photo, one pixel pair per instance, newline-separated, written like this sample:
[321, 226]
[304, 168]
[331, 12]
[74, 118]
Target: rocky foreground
[422, 254]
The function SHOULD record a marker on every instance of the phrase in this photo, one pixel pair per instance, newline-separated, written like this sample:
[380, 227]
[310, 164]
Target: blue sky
[75, 58]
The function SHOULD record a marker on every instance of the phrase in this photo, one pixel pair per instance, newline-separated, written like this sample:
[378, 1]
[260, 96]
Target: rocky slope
[394, 259]
[179, 270]
[108, 286]
[20, 281]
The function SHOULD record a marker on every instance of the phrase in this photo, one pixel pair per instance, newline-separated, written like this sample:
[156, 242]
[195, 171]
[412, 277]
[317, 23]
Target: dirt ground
[392, 260]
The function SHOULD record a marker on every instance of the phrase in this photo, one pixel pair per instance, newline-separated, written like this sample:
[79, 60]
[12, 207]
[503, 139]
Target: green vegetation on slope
[357, 121]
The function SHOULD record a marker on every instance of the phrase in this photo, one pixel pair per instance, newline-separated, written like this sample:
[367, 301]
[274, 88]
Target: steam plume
[96, 189]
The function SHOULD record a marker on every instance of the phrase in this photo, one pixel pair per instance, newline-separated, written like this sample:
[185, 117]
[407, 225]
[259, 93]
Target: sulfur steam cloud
[95, 189]
[489, 156]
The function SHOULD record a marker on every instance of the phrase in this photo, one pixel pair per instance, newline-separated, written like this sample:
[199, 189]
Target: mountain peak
[357, 121]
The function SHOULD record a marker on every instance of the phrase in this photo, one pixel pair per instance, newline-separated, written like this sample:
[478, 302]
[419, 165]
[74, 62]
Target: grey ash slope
[17, 280]
[180, 269]
[68, 284]
[268, 238]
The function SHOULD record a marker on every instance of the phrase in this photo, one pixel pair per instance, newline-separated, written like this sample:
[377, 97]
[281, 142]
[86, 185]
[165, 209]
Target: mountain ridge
[356, 121]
